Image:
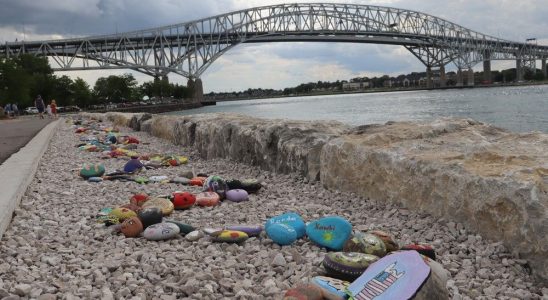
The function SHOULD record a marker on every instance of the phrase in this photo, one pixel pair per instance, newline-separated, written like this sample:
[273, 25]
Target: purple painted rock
[250, 230]
[237, 195]
[347, 265]
[396, 276]
[133, 165]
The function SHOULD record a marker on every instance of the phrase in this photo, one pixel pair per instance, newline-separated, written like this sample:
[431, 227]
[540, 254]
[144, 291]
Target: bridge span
[190, 48]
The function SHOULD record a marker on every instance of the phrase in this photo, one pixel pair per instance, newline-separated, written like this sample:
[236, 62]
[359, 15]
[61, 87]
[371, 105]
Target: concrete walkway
[16, 133]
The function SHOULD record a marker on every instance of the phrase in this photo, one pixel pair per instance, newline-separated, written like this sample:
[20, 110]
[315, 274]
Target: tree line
[24, 77]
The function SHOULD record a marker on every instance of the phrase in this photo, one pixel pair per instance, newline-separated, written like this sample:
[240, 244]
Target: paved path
[16, 133]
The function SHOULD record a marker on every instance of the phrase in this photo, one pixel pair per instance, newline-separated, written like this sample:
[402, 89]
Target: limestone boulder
[137, 119]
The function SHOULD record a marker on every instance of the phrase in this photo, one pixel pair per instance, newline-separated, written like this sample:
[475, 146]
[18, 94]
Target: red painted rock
[132, 227]
[183, 200]
[139, 199]
[207, 199]
[303, 292]
[197, 181]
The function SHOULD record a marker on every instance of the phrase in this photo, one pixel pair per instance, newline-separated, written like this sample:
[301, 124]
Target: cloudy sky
[269, 65]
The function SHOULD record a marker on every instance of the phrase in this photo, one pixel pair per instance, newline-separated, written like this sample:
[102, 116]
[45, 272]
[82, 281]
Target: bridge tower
[519, 69]
[487, 77]
[544, 71]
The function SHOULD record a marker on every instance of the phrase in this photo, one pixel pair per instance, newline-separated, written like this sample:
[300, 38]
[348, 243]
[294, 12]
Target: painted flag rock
[216, 184]
[423, 249]
[161, 231]
[132, 227]
[281, 234]
[332, 288]
[250, 230]
[92, 170]
[230, 236]
[122, 213]
[207, 199]
[347, 265]
[303, 292]
[291, 219]
[329, 232]
[365, 243]
[183, 228]
[237, 195]
[396, 276]
[150, 216]
[389, 242]
[163, 204]
[133, 165]
[183, 200]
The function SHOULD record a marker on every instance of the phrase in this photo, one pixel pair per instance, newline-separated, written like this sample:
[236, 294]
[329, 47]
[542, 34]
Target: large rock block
[138, 119]
[493, 181]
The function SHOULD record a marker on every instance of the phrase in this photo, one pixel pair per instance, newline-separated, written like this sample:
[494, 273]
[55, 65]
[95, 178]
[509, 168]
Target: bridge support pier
[443, 77]
[460, 79]
[519, 70]
[470, 81]
[197, 89]
[429, 83]
[544, 71]
[487, 77]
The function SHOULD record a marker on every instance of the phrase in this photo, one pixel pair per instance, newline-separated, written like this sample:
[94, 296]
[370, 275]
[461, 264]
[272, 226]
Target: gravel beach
[54, 249]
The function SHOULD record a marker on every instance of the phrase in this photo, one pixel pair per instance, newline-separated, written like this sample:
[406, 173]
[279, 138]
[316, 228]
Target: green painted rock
[92, 170]
[365, 243]
[183, 228]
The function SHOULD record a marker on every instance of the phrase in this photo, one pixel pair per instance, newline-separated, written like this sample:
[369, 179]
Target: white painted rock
[161, 231]
[194, 235]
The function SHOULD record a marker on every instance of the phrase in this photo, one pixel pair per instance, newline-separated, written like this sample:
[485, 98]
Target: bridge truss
[190, 48]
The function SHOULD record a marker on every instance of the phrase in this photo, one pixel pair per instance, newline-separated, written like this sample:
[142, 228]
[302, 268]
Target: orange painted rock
[207, 199]
[132, 227]
[183, 200]
[197, 181]
[303, 292]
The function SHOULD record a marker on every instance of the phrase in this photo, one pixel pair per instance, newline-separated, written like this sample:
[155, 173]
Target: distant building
[354, 86]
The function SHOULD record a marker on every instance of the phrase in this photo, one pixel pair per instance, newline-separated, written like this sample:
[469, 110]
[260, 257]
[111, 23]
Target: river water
[519, 109]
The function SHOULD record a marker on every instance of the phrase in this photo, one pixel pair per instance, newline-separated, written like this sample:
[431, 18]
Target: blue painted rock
[329, 232]
[423, 249]
[163, 204]
[161, 231]
[150, 216]
[365, 243]
[303, 292]
[281, 234]
[230, 236]
[291, 219]
[95, 179]
[132, 227]
[389, 242]
[332, 288]
[216, 184]
[396, 276]
[133, 165]
[122, 213]
[104, 211]
[237, 195]
[183, 200]
[183, 228]
[92, 170]
[249, 229]
[347, 265]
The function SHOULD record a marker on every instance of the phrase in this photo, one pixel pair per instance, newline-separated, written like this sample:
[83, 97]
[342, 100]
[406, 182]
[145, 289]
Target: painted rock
[161, 231]
[197, 181]
[212, 231]
[187, 174]
[303, 292]
[138, 199]
[249, 230]
[347, 265]
[164, 204]
[141, 180]
[251, 185]
[104, 212]
[281, 234]
[332, 288]
[423, 249]
[132, 227]
[194, 235]
[122, 213]
[396, 276]
[365, 243]
[291, 219]
[183, 200]
[108, 220]
[237, 195]
[150, 216]
[216, 184]
[207, 199]
[95, 179]
[134, 207]
[204, 175]
[158, 179]
[387, 239]
[133, 165]
[329, 232]
[92, 170]
[230, 236]
[180, 180]
[183, 228]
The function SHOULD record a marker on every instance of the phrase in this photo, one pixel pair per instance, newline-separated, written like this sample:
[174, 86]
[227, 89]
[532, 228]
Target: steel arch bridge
[190, 48]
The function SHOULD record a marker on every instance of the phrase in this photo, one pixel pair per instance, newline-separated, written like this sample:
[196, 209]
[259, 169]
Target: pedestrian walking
[7, 110]
[39, 103]
[54, 108]
[48, 110]
[15, 110]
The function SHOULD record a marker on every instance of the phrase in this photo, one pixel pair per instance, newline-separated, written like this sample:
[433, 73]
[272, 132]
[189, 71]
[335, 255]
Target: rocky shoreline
[55, 250]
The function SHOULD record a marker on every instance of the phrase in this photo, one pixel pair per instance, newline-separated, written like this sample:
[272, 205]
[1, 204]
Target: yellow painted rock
[164, 204]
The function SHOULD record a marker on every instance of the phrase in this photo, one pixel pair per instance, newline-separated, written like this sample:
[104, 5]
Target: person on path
[54, 108]
[7, 110]
[15, 110]
[48, 110]
[39, 103]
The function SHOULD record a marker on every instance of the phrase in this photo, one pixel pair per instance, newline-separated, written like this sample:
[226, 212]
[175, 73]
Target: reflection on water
[519, 109]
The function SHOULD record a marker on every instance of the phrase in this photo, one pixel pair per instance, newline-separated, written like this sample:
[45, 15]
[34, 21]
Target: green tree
[115, 88]
[81, 93]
